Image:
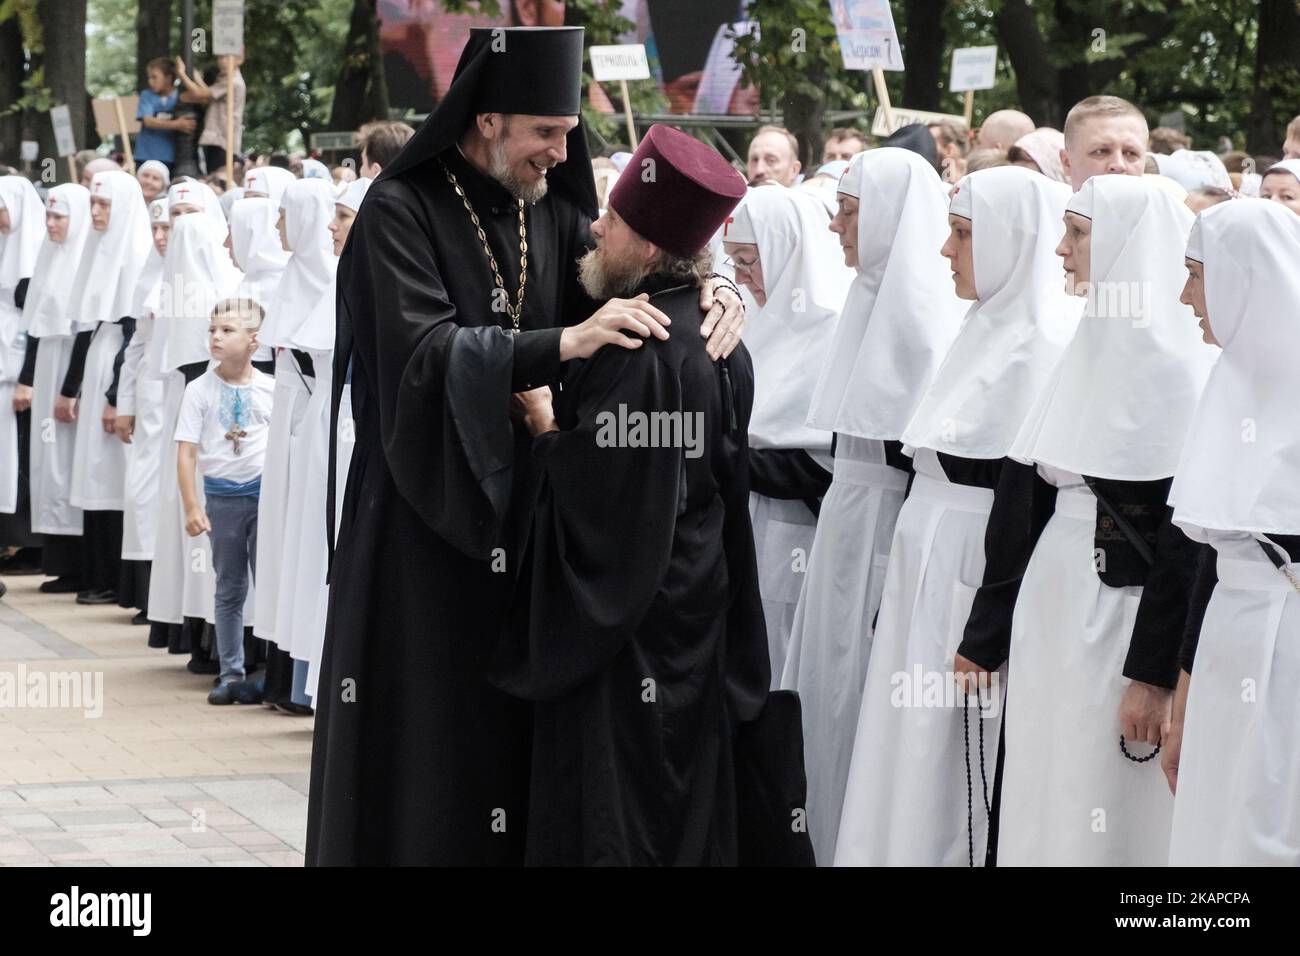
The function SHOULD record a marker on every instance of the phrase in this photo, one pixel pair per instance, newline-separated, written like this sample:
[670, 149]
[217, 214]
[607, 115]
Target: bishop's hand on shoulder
[606, 325]
[724, 317]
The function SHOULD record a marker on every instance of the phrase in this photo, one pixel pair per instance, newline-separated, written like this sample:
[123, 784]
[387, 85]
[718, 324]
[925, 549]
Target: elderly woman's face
[749, 271]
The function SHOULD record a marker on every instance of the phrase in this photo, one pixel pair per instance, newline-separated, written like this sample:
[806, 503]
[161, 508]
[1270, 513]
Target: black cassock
[638, 625]
[417, 758]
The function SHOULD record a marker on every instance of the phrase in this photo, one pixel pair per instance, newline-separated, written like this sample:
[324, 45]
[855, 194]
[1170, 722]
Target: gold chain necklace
[516, 311]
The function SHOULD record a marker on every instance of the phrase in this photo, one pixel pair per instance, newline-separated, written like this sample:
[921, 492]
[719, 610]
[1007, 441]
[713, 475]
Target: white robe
[140, 393]
[783, 539]
[830, 639]
[52, 443]
[909, 756]
[1238, 801]
[99, 462]
[12, 347]
[275, 503]
[1069, 795]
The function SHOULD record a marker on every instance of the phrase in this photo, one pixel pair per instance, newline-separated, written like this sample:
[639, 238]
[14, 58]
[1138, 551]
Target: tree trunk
[923, 81]
[11, 88]
[1026, 48]
[153, 35]
[64, 60]
[1276, 96]
[360, 93]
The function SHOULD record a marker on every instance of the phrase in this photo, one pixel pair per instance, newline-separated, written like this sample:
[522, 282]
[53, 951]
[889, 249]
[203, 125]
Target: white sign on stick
[868, 39]
[29, 150]
[64, 142]
[625, 61]
[973, 68]
[880, 126]
[227, 27]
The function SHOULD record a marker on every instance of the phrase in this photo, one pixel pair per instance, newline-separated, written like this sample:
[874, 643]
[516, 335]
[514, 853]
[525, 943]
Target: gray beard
[603, 280]
[499, 169]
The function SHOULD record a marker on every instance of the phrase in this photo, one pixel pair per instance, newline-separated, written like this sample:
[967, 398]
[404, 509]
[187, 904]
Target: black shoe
[198, 666]
[140, 619]
[102, 596]
[294, 710]
[61, 585]
[19, 561]
[3, 589]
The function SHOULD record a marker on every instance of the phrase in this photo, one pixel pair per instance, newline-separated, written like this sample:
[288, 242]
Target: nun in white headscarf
[48, 313]
[104, 292]
[304, 633]
[268, 182]
[298, 334]
[899, 319]
[1103, 603]
[140, 399]
[790, 263]
[197, 274]
[1234, 755]
[20, 242]
[907, 800]
[190, 195]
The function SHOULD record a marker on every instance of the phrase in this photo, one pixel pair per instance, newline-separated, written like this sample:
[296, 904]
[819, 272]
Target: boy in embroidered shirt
[222, 428]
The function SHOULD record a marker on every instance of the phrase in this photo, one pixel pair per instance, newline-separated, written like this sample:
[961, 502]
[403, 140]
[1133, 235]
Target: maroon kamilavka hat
[676, 191]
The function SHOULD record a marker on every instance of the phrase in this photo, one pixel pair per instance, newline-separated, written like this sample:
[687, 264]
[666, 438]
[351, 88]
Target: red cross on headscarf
[726, 223]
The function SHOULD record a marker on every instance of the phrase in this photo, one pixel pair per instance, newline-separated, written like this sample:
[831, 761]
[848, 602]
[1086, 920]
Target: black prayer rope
[1124, 751]
[970, 811]
[984, 780]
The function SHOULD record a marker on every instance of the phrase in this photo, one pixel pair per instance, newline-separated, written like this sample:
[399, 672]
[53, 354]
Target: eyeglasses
[734, 264]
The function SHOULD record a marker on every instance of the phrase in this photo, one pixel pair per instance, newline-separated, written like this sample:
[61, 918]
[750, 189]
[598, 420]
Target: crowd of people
[139, 396]
[574, 493]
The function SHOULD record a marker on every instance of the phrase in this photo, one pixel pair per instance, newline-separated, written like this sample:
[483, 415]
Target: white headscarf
[1121, 398]
[354, 193]
[1239, 464]
[18, 249]
[1291, 166]
[228, 200]
[198, 194]
[267, 181]
[315, 169]
[901, 314]
[104, 289]
[1193, 168]
[255, 244]
[292, 321]
[147, 289]
[197, 274]
[806, 283]
[49, 295]
[1013, 335]
[154, 166]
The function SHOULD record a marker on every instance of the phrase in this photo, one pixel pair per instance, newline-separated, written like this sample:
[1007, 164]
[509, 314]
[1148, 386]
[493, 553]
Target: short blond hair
[247, 311]
[1293, 129]
[789, 137]
[1086, 109]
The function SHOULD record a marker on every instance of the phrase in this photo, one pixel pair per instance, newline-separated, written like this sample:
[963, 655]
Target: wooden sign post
[622, 62]
[973, 68]
[126, 137]
[227, 43]
[64, 142]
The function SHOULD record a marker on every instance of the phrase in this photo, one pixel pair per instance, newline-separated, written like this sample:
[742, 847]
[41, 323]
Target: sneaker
[235, 692]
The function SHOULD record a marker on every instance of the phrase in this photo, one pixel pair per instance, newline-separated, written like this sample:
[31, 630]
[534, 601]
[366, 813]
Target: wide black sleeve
[1162, 614]
[128, 330]
[1022, 505]
[790, 474]
[20, 293]
[1202, 590]
[602, 532]
[28, 373]
[442, 383]
[76, 365]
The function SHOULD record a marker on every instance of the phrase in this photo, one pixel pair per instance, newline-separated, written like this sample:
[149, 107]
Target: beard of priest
[637, 628]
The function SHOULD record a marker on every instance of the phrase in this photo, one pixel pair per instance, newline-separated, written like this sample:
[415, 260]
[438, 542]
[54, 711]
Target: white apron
[905, 801]
[99, 462]
[144, 470]
[52, 443]
[274, 504]
[172, 556]
[831, 636]
[12, 346]
[1069, 796]
[1238, 801]
[300, 617]
[783, 539]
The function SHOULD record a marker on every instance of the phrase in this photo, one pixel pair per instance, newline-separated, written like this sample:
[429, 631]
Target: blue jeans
[234, 551]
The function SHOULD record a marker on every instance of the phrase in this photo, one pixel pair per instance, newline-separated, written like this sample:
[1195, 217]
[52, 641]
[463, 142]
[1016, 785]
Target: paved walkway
[111, 755]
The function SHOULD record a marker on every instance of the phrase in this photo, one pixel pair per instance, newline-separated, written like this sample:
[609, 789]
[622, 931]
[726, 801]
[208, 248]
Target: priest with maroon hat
[637, 628]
